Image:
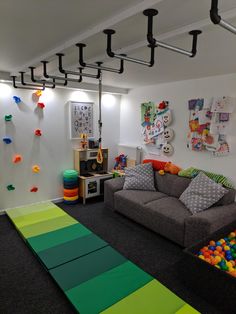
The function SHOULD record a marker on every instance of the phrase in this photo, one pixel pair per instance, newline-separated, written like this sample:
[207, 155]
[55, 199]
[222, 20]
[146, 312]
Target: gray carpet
[25, 286]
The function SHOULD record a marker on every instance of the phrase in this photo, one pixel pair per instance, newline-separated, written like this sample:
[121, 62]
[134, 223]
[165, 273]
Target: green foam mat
[84, 268]
[50, 239]
[150, 299]
[71, 250]
[97, 294]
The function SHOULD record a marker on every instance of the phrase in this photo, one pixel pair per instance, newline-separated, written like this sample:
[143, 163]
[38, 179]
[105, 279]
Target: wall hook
[150, 13]
[62, 70]
[46, 75]
[110, 53]
[93, 66]
[216, 18]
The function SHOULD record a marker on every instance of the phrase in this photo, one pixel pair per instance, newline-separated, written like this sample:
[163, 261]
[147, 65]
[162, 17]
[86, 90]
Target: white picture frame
[80, 119]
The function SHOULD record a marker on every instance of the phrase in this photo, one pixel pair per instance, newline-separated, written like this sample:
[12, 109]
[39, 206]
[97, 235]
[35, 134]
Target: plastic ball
[212, 248]
[226, 248]
[232, 235]
[212, 243]
[219, 248]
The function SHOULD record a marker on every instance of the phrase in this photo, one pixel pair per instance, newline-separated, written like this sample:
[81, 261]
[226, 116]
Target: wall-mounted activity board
[81, 119]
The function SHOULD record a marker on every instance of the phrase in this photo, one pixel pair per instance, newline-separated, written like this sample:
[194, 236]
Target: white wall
[178, 93]
[53, 151]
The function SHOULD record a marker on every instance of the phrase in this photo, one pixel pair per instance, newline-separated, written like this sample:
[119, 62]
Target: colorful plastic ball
[232, 235]
[212, 243]
[218, 259]
[226, 248]
[219, 248]
[218, 243]
[201, 257]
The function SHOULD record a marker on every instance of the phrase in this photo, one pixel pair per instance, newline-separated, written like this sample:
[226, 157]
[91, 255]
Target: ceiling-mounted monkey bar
[150, 13]
[25, 87]
[216, 18]
[34, 80]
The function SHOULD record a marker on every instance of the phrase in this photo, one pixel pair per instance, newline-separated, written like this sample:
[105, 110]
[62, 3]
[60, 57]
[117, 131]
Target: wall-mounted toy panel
[155, 122]
[209, 124]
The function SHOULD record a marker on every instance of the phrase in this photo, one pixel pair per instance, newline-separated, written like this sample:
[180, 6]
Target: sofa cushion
[140, 177]
[202, 193]
[227, 199]
[167, 217]
[171, 184]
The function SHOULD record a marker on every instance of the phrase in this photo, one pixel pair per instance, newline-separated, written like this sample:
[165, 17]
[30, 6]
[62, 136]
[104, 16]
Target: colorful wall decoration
[209, 124]
[155, 121]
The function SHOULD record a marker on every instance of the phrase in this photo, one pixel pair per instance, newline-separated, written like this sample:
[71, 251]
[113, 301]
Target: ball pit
[221, 253]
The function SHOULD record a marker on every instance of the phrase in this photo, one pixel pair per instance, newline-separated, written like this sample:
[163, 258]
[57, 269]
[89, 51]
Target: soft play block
[25, 210]
[50, 239]
[76, 272]
[47, 226]
[187, 309]
[70, 250]
[150, 299]
[99, 293]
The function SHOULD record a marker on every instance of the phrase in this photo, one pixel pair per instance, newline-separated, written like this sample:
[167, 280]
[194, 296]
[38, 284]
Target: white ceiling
[34, 30]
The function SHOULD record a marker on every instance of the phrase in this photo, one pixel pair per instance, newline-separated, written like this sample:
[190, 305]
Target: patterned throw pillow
[140, 177]
[202, 193]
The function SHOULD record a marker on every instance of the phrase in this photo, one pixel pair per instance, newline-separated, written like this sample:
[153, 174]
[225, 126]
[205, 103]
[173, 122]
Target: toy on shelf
[221, 253]
[17, 159]
[34, 189]
[41, 105]
[36, 169]
[38, 132]
[10, 187]
[121, 162]
[17, 99]
[7, 140]
[84, 140]
[8, 117]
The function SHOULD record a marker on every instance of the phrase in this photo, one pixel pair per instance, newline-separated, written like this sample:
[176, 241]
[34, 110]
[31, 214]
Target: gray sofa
[163, 212]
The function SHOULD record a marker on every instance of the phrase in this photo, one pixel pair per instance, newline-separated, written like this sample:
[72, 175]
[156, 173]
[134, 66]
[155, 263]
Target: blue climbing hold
[7, 140]
[17, 99]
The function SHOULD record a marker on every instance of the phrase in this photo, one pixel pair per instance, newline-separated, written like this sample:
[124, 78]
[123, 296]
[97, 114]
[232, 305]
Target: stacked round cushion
[71, 191]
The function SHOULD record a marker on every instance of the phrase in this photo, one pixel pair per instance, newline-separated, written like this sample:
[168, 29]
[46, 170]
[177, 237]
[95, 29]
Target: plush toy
[121, 162]
[171, 168]
[156, 164]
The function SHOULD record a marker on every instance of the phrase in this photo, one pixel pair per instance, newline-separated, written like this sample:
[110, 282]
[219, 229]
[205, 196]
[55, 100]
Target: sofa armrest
[110, 187]
[204, 223]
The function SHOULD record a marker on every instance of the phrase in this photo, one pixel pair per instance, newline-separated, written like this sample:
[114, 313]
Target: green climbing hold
[8, 117]
[11, 187]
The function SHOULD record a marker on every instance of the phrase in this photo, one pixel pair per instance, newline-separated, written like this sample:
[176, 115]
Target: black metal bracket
[24, 86]
[110, 53]
[216, 18]
[93, 66]
[150, 13]
[54, 83]
[63, 71]
[46, 75]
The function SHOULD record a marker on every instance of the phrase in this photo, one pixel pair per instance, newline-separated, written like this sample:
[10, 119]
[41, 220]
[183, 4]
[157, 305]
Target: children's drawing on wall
[155, 121]
[209, 124]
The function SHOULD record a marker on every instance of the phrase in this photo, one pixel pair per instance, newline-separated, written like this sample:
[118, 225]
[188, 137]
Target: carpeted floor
[25, 286]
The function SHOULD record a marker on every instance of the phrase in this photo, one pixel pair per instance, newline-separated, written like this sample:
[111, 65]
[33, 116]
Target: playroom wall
[178, 94]
[53, 151]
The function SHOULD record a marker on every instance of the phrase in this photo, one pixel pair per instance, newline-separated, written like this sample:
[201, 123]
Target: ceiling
[31, 31]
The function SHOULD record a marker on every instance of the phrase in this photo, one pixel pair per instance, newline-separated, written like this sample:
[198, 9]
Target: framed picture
[81, 119]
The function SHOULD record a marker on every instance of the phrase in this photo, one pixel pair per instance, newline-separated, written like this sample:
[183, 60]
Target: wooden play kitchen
[92, 175]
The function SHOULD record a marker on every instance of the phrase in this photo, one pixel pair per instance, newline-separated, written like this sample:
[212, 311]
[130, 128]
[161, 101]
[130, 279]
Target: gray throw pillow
[202, 193]
[140, 177]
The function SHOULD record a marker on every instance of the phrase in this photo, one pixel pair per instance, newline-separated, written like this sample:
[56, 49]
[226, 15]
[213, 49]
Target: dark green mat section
[84, 268]
[101, 292]
[70, 250]
[48, 240]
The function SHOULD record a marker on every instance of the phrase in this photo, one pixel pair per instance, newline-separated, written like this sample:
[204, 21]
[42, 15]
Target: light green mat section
[51, 239]
[187, 309]
[36, 217]
[25, 210]
[47, 226]
[153, 298]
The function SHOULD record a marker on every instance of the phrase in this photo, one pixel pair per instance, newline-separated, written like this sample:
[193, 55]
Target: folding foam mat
[94, 277]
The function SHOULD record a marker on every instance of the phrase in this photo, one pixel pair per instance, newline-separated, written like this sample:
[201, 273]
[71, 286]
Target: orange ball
[208, 260]
[212, 243]
[233, 273]
[216, 253]
[219, 248]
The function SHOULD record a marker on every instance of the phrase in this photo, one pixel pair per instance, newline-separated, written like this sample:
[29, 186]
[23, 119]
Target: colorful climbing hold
[8, 117]
[17, 99]
[17, 159]
[36, 169]
[41, 105]
[34, 189]
[38, 93]
[11, 187]
[38, 132]
[7, 140]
